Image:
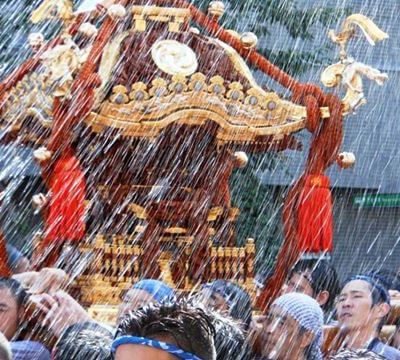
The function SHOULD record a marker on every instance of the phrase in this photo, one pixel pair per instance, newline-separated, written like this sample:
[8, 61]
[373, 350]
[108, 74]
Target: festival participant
[5, 350]
[315, 278]
[165, 331]
[229, 298]
[86, 341]
[362, 308]
[12, 300]
[142, 293]
[293, 329]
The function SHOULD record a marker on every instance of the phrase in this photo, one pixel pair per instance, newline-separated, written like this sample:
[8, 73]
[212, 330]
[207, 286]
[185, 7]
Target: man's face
[300, 283]
[141, 352]
[354, 306]
[8, 313]
[133, 300]
[281, 335]
[213, 300]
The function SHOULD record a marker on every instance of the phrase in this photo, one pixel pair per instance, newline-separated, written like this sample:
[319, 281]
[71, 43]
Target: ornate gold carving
[175, 230]
[174, 58]
[109, 59]
[139, 211]
[349, 72]
[216, 86]
[214, 213]
[242, 115]
[53, 9]
[165, 267]
[254, 97]
[178, 84]
[236, 92]
[372, 32]
[119, 95]
[139, 92]
[159, 88]
[174, 16]
[197, 82]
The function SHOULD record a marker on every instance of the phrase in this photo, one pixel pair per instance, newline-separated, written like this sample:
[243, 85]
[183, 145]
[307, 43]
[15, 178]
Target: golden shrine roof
[157, 72]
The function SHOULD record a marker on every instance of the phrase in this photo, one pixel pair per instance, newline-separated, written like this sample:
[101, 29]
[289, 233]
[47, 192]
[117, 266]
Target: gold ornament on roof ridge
[348, 72]
[174, 57]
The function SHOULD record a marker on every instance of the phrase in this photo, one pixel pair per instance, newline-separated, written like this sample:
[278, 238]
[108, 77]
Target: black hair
[323, 277]
[239, 301]
[85, 341]
[16, 289]
[189, 326]
[230, 340]
[390, 279]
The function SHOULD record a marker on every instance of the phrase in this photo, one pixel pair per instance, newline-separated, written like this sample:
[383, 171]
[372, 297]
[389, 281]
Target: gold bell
[216, 9]
[249, 40]
[346, 160]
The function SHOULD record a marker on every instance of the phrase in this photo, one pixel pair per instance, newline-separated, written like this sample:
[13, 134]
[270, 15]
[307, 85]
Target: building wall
[365, 238]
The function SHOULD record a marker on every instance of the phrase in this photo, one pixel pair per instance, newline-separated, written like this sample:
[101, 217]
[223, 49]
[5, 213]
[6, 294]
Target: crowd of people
[40, 320]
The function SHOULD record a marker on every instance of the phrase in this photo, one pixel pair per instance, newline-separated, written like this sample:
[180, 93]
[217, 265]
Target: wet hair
[189, 326]
[16, 289]
[390, 279]
[323, 277]
[239, 301]
[230, 340]
[85, 341]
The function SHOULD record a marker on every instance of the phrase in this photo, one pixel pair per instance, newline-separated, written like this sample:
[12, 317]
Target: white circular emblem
[174, 58]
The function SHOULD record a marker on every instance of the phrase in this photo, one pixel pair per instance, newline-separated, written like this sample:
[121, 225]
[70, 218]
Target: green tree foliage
[294, 21]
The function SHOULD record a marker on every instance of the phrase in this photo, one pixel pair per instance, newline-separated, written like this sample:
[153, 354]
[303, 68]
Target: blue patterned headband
[172, 349]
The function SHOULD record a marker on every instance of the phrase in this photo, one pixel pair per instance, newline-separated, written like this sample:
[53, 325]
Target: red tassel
[315, 218]
[66, 217]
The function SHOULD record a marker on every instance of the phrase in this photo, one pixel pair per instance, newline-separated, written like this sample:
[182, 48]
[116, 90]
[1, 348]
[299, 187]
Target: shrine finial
[370, 30]
[348, 72]
[49, 9]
